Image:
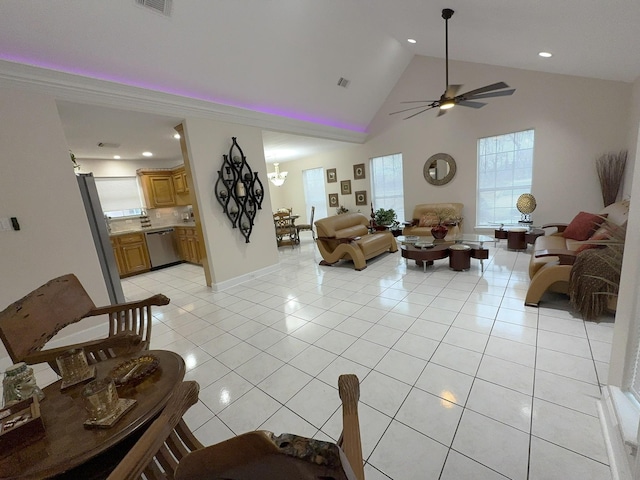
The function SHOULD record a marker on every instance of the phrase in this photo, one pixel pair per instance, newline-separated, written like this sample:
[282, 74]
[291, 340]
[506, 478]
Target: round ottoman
[459, 257]
[516, 239]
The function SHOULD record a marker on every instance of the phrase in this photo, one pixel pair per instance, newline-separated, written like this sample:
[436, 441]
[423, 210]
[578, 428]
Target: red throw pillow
[583, 226]
[601, 234]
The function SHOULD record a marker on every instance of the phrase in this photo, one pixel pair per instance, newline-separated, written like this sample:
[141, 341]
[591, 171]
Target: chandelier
[277, 177]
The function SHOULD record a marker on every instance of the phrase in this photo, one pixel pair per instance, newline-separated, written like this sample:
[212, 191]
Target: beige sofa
[347, 236]
[553, 256]
[427, 215]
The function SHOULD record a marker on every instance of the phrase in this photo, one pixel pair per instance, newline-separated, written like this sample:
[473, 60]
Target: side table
[516, 239]
[459, 257]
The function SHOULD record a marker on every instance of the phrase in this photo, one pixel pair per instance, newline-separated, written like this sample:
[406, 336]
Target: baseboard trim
[232, 282]
[616, 451]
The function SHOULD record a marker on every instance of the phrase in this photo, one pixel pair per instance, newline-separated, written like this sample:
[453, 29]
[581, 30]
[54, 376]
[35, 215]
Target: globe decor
[526, 204]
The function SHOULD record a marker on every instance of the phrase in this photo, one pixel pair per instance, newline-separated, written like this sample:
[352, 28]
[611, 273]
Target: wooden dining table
[69, 449]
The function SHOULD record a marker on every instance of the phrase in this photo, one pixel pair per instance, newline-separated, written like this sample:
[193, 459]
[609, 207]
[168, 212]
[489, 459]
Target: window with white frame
[119, 196]
[314, 193]
[387, 186]
[505, 171]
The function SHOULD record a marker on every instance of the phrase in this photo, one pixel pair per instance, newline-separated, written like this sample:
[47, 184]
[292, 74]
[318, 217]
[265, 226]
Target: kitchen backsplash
[159, 217]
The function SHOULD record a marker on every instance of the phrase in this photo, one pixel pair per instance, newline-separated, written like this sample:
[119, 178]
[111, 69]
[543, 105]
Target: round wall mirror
[439, 169]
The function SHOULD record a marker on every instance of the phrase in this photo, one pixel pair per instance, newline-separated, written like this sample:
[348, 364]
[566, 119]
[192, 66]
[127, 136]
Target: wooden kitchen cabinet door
[162, 190]
[135, 258]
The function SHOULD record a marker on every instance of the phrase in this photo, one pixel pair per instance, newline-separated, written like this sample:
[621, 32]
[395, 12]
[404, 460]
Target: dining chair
[28, 324]
[162, 446]
[261, 454]
[286, 233]
[168, 449]
[307, 226]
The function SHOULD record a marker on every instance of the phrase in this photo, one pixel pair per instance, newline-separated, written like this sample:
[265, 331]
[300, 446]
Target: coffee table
[425, 256]
[476, 242]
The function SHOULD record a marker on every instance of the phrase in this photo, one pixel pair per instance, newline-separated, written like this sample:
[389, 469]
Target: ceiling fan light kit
[449, 99]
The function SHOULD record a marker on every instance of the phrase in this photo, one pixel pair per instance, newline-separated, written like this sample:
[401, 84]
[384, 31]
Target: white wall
[228, 255]
[628, 306]
[575, 120]
[38, 186]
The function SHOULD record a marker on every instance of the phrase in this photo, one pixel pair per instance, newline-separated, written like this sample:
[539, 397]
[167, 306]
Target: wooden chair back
[28, 324]
[167, 440]
[286, 232]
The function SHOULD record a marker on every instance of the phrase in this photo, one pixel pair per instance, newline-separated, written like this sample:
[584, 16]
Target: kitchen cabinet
[157, 187]
[165, 187]
[189, 244]
[180, 184]
[131, 253]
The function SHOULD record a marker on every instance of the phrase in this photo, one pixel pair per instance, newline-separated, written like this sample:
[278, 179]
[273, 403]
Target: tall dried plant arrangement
[610, 168]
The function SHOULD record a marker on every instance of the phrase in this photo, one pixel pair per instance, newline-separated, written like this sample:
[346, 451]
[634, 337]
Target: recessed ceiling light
[147, 154]
[176, 136]
[545, 54]
[411, 40]
[116, 157]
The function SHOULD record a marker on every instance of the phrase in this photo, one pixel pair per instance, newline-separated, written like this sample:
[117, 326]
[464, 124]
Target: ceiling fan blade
[421, 111]
[451, 91]
[487, 88]
[419, 101]
[467, 103]
[413, 108]
[503, 93]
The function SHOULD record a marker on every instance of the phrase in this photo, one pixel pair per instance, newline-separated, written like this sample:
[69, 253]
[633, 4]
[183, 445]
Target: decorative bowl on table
[423, 245]
[411, 239]
[135, 370]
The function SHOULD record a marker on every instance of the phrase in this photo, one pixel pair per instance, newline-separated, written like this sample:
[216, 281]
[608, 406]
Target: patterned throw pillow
[583, 226]
[601, 234]
[429, 220]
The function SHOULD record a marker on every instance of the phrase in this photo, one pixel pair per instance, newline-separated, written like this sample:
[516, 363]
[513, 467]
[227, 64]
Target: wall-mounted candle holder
[239, 190]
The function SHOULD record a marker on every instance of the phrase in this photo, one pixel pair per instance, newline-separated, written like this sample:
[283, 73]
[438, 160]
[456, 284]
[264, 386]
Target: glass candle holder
[73, 365]
[100, 399]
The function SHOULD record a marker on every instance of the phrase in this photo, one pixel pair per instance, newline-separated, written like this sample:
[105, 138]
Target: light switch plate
[5, 224]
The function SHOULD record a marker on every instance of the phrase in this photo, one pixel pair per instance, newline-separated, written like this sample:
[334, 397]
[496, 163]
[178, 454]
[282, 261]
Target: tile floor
[458, 379]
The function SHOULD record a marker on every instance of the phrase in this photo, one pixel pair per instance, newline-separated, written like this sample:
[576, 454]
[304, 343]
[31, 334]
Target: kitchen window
[119, 196]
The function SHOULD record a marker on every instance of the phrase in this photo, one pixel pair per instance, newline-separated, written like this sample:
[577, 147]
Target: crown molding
[80, 89]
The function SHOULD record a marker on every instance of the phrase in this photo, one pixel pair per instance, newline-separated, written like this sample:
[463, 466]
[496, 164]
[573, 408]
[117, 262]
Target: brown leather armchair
[347, 236]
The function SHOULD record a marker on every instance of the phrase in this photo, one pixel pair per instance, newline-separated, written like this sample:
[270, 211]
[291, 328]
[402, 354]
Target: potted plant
[384, 218]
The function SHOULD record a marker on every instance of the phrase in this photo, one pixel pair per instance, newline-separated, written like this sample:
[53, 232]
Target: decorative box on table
[20, 423]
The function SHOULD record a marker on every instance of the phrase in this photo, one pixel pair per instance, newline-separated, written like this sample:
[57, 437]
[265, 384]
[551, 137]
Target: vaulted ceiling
[285, 57]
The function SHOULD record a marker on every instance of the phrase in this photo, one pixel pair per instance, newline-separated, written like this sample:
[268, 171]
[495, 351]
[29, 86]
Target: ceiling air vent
[159, 6]
[343, 82]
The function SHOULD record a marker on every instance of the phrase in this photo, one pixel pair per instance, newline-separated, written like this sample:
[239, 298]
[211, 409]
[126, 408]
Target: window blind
[387, 184]
[118, 193]
[505, 171]
[314, 193]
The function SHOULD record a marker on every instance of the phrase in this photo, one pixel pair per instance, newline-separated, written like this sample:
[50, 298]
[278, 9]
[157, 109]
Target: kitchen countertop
[152, 229]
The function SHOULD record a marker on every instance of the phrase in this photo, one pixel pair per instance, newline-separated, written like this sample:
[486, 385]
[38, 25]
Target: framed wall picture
[333, 200]
[361, 197]
[332, 177]
[345, 187]
[358, 172]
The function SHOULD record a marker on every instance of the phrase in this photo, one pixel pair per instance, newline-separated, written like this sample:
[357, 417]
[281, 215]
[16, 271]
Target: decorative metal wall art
[239, 190]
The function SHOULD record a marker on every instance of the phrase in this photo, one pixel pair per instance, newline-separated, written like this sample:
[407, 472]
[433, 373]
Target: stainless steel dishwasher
[163, 248]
